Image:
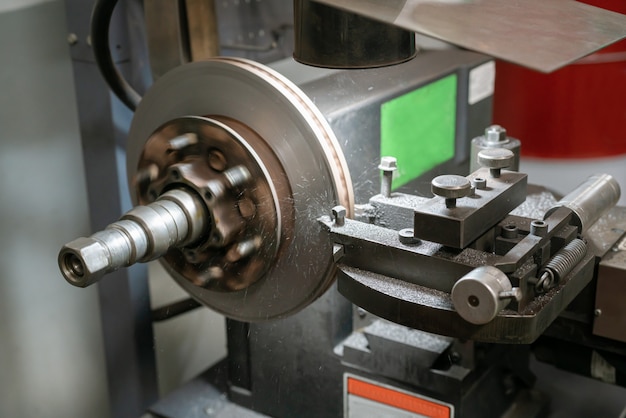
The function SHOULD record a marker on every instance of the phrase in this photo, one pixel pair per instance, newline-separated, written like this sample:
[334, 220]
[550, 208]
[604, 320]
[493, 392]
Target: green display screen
[418, 128]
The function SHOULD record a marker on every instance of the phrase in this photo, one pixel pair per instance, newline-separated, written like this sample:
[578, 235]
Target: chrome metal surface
[590, 200]
[495, 159]
[494, 137]
[177, 218]
[542, 35]
[477, 295]
[297, 133]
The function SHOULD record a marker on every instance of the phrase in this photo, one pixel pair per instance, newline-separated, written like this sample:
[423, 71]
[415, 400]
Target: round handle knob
[496, 159]
[481, 294]
[451, 187]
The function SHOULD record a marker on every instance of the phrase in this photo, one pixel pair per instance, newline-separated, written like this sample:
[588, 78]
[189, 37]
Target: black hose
[100, 21]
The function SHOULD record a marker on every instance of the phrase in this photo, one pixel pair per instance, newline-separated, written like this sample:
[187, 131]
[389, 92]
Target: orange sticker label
[397, 399]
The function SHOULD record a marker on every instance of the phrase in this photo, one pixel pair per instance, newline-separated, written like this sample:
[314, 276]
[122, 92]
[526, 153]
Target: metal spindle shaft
[176, 218]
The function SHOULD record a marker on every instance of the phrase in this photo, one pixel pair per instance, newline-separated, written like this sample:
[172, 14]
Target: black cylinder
[332, 38]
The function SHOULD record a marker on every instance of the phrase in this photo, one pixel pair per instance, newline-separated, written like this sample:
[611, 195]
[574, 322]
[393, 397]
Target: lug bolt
[237, 176]
[182, 141]
[243, 249]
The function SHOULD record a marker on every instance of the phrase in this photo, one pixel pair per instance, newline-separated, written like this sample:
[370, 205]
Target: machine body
[256, 188]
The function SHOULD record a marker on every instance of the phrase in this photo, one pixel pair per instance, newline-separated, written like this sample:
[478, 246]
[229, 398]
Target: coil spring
[566, 259]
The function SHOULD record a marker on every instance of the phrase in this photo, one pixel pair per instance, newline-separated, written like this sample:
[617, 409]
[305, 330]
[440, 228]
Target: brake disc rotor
[259, 110]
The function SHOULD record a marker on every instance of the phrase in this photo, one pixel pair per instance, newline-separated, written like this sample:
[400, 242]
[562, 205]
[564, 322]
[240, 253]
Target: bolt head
[339, 212]
[495, 134]
[479, 183]
[388, 164]
[407, 237]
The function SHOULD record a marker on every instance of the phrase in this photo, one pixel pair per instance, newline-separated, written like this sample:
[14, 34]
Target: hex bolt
[495, 135]
[387, 166]
[237, 176]
[451, 187]
[407, 236]
[339, 215]
[495, 159]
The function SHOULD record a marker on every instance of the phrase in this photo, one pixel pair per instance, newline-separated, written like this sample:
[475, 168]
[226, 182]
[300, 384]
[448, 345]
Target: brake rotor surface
[301, 140]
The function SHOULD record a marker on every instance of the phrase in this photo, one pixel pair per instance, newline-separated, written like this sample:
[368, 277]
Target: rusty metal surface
[542, 35]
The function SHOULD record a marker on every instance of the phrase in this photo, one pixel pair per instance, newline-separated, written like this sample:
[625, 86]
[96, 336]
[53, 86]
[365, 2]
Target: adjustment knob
[496, 159]
[482, 293]
[451, 187]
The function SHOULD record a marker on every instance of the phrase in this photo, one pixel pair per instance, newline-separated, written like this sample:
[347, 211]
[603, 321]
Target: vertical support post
[124, 297]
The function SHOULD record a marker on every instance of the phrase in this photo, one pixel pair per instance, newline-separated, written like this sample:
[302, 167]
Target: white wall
[12, 5]
[564, 175]
[51, 359]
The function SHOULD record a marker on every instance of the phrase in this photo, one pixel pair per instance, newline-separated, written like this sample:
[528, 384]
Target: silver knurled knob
[451, 187]
[496, 159]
